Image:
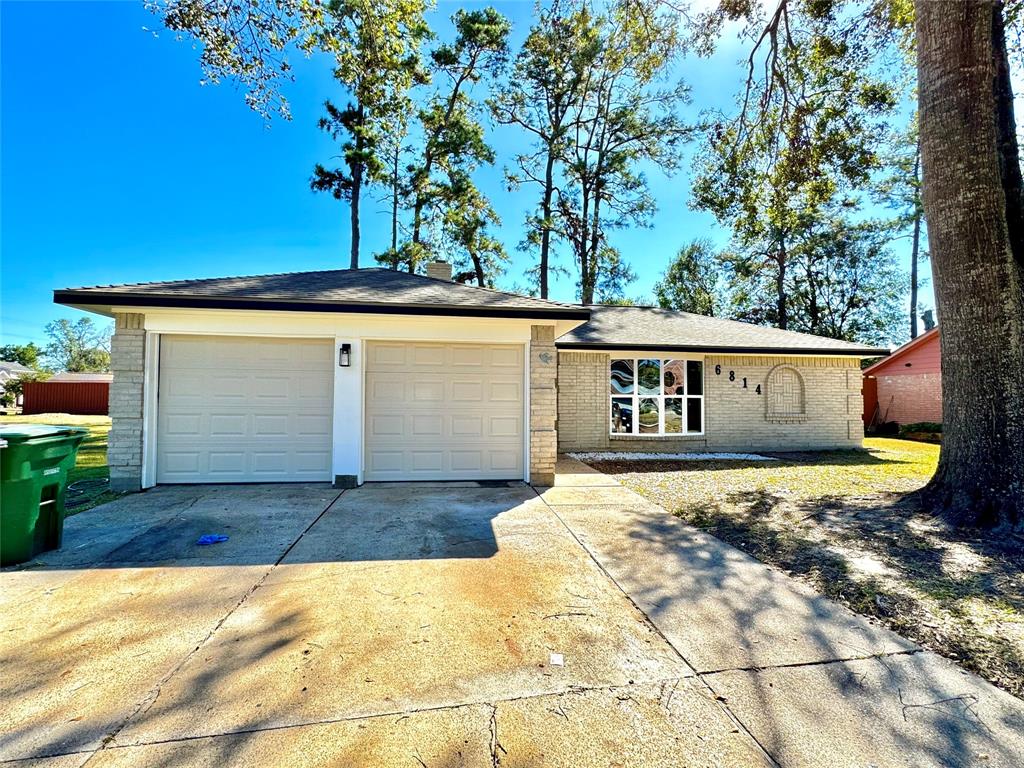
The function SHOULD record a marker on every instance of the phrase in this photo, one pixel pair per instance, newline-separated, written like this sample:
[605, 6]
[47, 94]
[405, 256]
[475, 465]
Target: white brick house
[363, 375]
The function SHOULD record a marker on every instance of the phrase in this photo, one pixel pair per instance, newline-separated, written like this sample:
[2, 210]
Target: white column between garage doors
[444, 411]
[244, 409]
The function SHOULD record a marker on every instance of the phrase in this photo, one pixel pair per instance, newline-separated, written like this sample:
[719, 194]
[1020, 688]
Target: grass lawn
[846, 523]
[91, 463]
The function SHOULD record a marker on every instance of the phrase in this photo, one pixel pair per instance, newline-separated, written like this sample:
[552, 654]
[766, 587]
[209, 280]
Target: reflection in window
[693, 415]
[657, 397]
[674, 415]
[622, 415]
[695, 377]
[622, 377]
[674, 377]
[650, 416]
[648, 376]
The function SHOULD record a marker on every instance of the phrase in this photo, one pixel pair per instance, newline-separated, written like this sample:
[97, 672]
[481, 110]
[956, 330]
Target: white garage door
[444, 411]
[235, 409]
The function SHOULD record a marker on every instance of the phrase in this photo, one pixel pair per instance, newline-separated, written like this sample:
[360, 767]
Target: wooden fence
[88, 398]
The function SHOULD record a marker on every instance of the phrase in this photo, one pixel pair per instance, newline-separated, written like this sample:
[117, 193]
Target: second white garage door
[238, 409]
[444, 411]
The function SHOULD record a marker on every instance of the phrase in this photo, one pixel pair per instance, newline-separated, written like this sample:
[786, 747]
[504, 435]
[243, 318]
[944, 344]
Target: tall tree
[26, 354]
[807, 135]
[544, 95]
[376, 48]
[626, 119]
[453, 143]
[80, 347]
[972, 199]
[690, 282]
[900, 190]
[971, 190]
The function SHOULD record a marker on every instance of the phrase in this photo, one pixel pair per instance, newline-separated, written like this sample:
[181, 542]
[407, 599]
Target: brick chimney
[439, 270]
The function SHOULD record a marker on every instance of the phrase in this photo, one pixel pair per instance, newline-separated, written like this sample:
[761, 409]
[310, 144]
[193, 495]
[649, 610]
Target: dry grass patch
[847, 523]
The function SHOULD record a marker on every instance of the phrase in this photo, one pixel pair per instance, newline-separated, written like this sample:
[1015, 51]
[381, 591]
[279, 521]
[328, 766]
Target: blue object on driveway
[211, 538]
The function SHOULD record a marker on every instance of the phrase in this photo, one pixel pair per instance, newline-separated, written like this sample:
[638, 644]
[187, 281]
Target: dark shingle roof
[341, 290]
[646, 328]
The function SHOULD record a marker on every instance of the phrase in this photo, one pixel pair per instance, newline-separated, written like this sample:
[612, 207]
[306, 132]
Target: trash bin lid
[19, 433]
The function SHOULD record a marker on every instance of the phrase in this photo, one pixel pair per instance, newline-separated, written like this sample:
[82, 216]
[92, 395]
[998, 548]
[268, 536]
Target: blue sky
[117, 166]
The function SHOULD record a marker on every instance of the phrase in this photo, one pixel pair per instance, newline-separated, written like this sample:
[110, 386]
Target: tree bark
[915, 248]
[545, 232]
[971, 195]
[394, 201]
[356, 169]
[780, 286]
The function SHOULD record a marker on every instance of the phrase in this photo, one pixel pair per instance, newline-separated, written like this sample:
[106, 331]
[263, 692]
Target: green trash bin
[34, 464]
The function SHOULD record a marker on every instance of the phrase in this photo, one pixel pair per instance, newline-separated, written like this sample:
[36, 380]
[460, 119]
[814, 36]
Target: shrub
[921, 426]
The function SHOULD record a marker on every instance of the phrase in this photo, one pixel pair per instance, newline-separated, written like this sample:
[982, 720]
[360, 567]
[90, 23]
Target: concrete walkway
[813, 683]
[454, 625]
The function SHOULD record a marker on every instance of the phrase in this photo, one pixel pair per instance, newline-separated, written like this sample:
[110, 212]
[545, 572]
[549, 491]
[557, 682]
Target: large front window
[656, 396]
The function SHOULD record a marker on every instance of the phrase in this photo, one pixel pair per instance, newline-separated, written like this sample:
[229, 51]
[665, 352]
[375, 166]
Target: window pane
[694, 377]
[648, 377]
[673, 415]
[622, 415]
[674, 377]
[649, 413]
[622, 377]
[693, 415]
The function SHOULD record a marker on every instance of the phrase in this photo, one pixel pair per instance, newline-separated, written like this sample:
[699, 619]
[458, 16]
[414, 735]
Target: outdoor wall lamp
[345, 355]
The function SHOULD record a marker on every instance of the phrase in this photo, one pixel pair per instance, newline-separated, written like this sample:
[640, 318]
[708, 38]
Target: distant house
[906, 386]
[11, 370]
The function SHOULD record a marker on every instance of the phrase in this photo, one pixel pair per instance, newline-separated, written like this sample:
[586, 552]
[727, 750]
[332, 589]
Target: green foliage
[920, 426]
[625, 118]
[446, 204]
[801, 152]
[15, 387]
[79, 347]
[841, 281]
[25, 354]
[544, 97]
[247, 42]
[376, 51]
[690, 282]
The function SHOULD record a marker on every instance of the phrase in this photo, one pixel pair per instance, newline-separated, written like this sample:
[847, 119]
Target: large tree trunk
[971, 194]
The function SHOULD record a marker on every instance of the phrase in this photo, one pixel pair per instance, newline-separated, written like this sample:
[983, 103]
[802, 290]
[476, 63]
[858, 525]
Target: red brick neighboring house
[906, 386]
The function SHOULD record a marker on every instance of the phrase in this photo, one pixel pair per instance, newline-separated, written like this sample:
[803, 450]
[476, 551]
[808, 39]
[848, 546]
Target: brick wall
[127, 362]
[543, 438]
[817, 404]
[907, 399]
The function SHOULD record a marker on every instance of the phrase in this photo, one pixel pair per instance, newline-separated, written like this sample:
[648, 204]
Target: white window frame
[636, 396]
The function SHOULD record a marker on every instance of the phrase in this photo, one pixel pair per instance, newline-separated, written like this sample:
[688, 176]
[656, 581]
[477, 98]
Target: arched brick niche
[786, 401]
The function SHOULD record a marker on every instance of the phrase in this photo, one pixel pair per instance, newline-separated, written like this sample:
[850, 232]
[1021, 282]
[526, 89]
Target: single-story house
[906, 386]
[371, 374]
[10, 370]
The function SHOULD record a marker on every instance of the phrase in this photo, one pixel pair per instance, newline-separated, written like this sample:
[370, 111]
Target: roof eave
[75, 298]
[717, 348]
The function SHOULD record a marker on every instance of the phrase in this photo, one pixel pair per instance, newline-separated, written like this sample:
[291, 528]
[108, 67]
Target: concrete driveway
[422, 625]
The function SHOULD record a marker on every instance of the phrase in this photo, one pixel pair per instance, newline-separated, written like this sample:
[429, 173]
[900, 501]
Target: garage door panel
[218, 423]
[443, 411]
